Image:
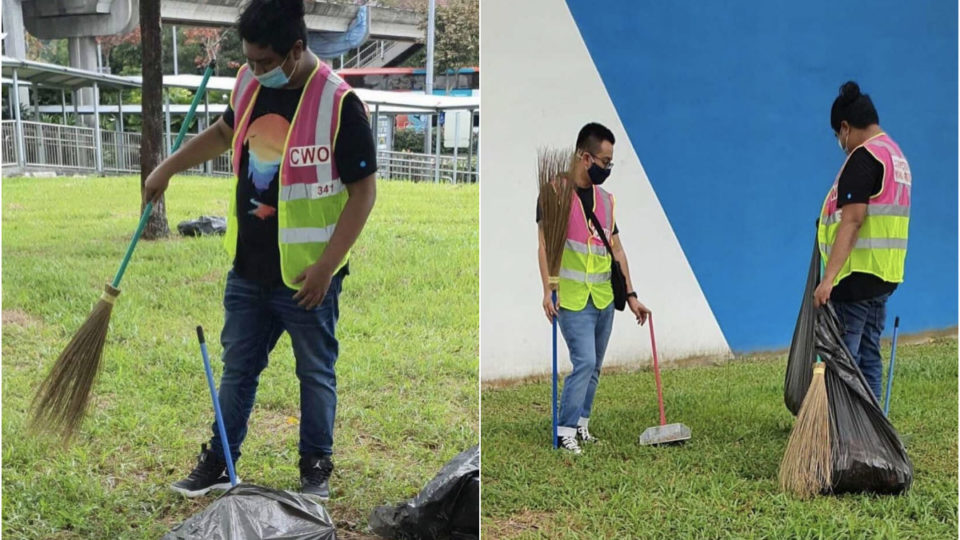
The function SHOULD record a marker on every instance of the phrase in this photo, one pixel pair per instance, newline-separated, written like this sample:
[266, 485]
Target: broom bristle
[555, 196]
[61, 400]
[806, 467]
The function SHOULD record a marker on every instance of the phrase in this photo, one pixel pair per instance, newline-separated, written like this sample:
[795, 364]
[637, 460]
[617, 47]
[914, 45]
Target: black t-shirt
[861, 178]
[355, 154]
[586, 198]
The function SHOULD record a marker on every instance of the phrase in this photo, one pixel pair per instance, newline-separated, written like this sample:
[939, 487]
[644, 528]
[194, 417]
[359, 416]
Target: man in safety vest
[862, 229]
[584, 295]
[304, 160]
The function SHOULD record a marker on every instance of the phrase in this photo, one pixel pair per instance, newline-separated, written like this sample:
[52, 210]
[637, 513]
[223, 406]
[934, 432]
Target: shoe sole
[315, 496]
[201, 492]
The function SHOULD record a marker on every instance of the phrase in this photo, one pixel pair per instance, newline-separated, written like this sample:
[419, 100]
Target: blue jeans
[587, 333]
[256, 317]
[863, 323]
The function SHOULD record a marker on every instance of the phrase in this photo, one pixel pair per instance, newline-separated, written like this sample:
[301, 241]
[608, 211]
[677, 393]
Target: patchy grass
[723, 482]
[407, 373]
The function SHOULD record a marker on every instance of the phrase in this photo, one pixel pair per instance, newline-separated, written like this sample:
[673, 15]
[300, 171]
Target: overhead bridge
[55, 19]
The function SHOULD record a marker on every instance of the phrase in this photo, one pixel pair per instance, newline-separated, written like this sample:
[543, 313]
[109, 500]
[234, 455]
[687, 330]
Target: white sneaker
[584, 434]
[569, 443]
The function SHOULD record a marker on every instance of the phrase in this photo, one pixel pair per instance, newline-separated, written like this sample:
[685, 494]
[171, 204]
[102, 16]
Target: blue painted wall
[727, 104]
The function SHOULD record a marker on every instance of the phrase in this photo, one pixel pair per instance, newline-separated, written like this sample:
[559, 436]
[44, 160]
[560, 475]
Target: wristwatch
[633, 294]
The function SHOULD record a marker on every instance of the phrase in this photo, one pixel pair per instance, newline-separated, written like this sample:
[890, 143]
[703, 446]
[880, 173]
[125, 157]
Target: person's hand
[641, 311]
[822, 294]
[315, 281]
[549, 308]
[155, 185]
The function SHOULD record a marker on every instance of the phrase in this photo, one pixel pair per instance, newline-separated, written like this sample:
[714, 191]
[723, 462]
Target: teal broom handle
[176, 146]
[193, 105]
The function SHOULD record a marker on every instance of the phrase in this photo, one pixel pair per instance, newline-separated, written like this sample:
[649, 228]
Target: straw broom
[556, 189]
[806, 467]
[555, 196]
[60, 403]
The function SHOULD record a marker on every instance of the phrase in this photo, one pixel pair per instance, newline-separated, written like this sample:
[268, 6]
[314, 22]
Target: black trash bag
[203, 226]
[447, 507]
[249, 512]
[866, 451]
[803, 353]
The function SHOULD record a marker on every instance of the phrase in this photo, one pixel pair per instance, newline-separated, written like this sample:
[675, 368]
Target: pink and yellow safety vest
[311, 195]
[881, 246]
[585, 265]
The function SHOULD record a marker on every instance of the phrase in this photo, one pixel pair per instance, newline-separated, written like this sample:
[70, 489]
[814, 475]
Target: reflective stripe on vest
[873, 243]
[873, 210]
[311, 195]
[583, 276]
[585, 264]
[305, 235]
[881, 245]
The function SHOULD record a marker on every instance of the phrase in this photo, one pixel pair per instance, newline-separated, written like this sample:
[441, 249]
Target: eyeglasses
[605, 163]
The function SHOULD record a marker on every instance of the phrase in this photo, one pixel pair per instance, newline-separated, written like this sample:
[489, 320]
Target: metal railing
[51, 146]
[8, 142]
[364, 54]
[121, 152]
[61, 147]
[423, 167]
[219, 166]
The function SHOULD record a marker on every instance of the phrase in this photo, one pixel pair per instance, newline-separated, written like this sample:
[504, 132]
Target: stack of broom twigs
[807, 465]
[556, 190]
[61, 400]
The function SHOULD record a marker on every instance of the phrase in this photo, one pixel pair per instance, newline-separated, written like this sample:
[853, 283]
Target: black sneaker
[210, 473]
[315, 476]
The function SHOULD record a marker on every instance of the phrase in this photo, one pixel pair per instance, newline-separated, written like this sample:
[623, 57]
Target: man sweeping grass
[304, 160]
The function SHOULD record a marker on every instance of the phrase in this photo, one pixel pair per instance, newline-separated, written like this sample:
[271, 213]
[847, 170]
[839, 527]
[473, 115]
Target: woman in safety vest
[862, 229]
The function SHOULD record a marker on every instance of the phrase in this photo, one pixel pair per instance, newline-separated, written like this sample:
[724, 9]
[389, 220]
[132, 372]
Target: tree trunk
[151, 137]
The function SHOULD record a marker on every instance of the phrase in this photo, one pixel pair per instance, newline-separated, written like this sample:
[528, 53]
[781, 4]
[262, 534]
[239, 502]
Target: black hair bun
[849, 93]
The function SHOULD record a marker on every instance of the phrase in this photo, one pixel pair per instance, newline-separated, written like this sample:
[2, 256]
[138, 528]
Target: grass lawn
[407, 373]
[723, 482]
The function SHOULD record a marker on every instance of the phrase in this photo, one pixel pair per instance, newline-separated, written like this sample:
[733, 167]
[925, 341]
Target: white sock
[583, 422]
[564, 431]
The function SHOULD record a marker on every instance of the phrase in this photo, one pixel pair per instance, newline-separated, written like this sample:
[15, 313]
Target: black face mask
[598, 174]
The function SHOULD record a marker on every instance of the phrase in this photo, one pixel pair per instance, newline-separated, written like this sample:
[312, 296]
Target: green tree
[457, 39]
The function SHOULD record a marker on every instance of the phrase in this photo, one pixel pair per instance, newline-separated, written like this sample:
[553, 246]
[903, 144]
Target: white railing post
[60, 146]
[473, 173]
[122, 157]
[15, 101]
[456, 143]
[98, 144]
[436, 171]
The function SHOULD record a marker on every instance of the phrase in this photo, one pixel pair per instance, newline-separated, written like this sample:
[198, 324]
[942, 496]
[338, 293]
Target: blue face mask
[275, 78]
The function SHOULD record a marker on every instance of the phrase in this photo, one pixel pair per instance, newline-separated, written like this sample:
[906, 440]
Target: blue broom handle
[176, 146]
[224, 442]
[554, 401]
[893, 356]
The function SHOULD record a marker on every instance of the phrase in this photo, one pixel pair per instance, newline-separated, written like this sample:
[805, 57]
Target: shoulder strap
[596, 224]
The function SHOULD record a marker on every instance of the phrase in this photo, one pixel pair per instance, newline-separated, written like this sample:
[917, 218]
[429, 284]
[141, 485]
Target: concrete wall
[540, 86]
[724, 154]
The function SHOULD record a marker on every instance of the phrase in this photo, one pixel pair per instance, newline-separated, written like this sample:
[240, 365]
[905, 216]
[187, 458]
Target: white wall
[540, 86]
